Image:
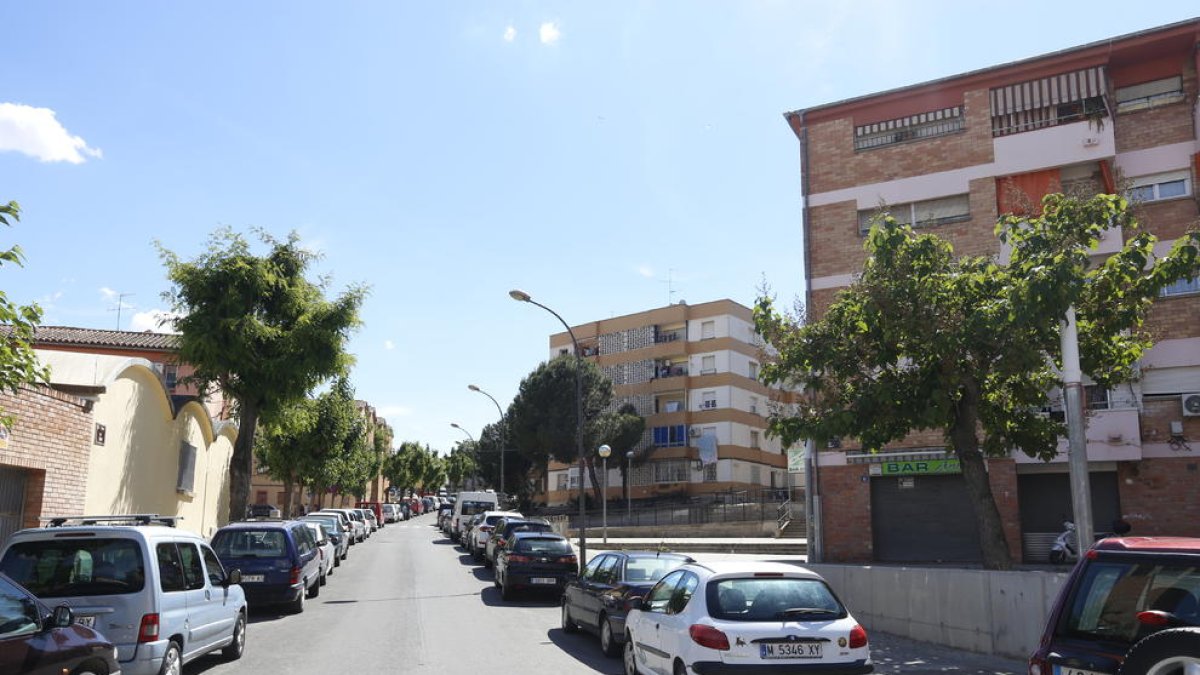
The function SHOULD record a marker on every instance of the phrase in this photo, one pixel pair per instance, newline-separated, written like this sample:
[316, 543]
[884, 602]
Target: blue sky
[444, 153]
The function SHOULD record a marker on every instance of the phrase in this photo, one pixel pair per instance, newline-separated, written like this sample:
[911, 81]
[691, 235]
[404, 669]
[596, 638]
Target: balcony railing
[668, 336]
[670, 371]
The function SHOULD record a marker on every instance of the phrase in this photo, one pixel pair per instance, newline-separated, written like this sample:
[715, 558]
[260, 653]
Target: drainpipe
[813, 528]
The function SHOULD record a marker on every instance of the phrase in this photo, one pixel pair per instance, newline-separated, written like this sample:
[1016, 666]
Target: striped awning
[1050, 91]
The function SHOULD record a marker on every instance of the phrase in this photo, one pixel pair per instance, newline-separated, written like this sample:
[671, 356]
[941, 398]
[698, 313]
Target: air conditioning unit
[694, 432]
[833, 443]
[1191, 405]
[709, 404]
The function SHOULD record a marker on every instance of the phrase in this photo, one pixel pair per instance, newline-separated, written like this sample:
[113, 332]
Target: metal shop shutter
[931, 521]
[12, 502]
[1045, 502]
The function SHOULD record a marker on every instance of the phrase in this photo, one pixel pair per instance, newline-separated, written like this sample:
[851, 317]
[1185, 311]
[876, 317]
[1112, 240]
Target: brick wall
[1157, 415]
[1170, 219]
[51, 438]
[846, 513]
[1158, 496]
[1174, 317]
[1152, 127]
[1002, 475]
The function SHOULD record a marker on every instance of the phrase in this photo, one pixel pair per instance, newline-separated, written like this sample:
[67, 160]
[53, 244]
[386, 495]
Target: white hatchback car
[739, 616]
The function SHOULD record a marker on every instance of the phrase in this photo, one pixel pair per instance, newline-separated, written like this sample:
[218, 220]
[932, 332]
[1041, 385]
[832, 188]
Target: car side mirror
[634, 603]
[234, 577]
[62, 617]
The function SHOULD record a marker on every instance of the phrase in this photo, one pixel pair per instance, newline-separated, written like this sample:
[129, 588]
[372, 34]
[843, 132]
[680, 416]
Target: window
[753, 370]
[186, 479]
[260, 497]
[18, 613]
[927, 213]
[1182, 287]
[1150, 94]
[755, 474]
[660, 595]
[589, 572]
[670, 436]
[68, 568]
[710, 473]
[1159, 187]
[607, 573]
[682, 593]
[709, 399]
[672, 471]
[708, 330]
[193, 569]
[216, 572]
[1096, 397]
[708, 365]
[766, 599]
[914, 127]
[170, 569]
[754, 438]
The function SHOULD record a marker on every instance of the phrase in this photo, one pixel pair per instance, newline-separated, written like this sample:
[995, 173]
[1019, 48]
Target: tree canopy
[970, 345]
[258, 329]
[18, 363]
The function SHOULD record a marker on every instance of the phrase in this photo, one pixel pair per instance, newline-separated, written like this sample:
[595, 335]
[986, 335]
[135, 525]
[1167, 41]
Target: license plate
[89, 621]
[543, 580]
[1069, 670]
[252, 578]
[791, 650]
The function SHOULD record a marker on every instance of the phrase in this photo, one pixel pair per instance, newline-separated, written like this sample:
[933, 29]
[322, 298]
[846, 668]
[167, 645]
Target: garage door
[923, 519]
[1045, 501]
[12, 501]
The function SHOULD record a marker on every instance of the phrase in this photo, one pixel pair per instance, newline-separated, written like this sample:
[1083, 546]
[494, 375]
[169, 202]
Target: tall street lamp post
[503, 433]
[604, 451]
[455, 425]
[522, 296]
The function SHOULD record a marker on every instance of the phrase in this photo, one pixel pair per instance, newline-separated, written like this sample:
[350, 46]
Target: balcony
[1112, 436]
[1051, 146]
[661, 372]
[674, 335]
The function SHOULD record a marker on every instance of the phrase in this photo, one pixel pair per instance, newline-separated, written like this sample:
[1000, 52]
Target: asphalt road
[408, 601]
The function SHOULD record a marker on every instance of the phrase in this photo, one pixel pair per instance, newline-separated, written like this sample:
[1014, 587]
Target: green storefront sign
[918, 467]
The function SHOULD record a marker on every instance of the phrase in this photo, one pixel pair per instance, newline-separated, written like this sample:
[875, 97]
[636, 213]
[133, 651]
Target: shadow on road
[585, 648]
[491, 598]
[444, 541]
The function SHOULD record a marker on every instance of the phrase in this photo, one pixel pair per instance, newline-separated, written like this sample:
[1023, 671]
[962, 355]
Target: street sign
[795, 458]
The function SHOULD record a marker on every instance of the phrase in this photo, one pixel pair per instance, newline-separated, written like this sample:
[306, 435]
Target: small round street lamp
[604, 451]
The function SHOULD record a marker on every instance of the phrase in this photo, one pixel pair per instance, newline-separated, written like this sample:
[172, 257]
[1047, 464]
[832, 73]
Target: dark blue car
[279, 560]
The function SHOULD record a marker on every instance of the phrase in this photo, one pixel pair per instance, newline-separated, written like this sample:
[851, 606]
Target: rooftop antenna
[670, 282]
[120, 304]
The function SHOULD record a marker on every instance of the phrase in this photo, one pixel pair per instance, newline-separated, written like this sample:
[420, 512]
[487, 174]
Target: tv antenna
[121, 304]
[670, 282]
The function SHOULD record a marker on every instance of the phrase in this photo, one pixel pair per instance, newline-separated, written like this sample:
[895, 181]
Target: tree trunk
[286, 506]
[992, 543]
[241, 465]
[597, 491]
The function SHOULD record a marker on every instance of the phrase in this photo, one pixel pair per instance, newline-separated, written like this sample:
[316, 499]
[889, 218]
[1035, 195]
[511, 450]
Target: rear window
[650, 569]
[492, 520]
[772, 599]
[540, 546]
[529, 527]
[1109, 595]
[250, 544]
[63, 568]
[471, 508]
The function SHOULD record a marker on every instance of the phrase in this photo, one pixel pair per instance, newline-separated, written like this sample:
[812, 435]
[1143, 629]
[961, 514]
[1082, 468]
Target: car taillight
[569, 559]
[295, 576]
[148, 631]
[486, 528]
[499, 543]
[707, 636]
[1153, 617]
[858, 637]
[515, 557]
[1038, 666]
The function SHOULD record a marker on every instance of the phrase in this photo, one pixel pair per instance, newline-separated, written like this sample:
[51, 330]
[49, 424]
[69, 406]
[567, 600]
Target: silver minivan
[157, 592]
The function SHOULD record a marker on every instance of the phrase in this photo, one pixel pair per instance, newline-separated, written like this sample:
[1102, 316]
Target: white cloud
[646, 271]
[549, 33]
[36, 132]
[156, 320]
[108, 293]
[510, 34]
[389, 345]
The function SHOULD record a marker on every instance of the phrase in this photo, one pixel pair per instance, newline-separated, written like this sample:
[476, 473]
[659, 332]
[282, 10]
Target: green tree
[925, 340]
[337, 427]
[621, 430]
[258, 329]
[18, 363]
[284, 446]
[461, 463]
[542, 416]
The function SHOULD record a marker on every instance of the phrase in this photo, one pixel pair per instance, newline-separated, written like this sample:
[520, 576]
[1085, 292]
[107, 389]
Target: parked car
[763, 616]
[391, 513]
[537, 561]
[503, 530]
[357, 522]
[139, 581]
[468, 504]
[356, 528]
[325, 547]
[369, 519]
[36, 640]
[279, 560]
[336, 531]
[376, 509]
[445, 511]
[481, 530]
[1127, 604]
[596, 600]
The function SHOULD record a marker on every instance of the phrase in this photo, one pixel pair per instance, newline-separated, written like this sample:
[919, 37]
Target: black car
[504, 528]
[537, 561]
[34, 639]
[597, 601]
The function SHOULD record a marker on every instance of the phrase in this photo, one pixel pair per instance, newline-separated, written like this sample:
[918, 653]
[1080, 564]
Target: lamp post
[522, 296]
[629, 488]
[503, 433]
[604, 451]
[455, 425]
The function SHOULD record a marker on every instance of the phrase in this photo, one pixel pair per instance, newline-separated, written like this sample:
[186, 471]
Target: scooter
[1066, 544]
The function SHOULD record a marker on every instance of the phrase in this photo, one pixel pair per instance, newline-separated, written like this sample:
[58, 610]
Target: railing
[669, 336]
[785, 514]
[670, 371]
[725, 507]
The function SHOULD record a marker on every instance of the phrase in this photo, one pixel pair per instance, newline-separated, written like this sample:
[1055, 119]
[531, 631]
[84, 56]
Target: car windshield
[543, 546]
[772, 599]
[471, 508]
[1110, 594]
[74, 567]
[250, 544]
[646, 569]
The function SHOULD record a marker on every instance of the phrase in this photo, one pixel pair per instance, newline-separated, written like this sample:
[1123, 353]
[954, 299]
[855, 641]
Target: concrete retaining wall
[983, 611]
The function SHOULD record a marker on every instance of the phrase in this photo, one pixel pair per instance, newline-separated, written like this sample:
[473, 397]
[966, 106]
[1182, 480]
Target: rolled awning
[1048, 91]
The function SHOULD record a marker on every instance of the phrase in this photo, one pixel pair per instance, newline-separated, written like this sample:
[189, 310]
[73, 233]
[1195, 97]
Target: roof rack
[114, 519]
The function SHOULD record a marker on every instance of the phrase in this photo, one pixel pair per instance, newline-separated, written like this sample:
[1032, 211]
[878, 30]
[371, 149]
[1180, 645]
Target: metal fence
[773, 505]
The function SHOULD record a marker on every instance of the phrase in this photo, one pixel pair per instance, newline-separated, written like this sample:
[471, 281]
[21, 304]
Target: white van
[468, 504]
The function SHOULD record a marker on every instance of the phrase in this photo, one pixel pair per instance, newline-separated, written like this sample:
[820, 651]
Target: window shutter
[187, 468]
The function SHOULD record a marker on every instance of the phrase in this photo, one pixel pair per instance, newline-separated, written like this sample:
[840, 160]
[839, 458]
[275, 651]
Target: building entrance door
[12, 501]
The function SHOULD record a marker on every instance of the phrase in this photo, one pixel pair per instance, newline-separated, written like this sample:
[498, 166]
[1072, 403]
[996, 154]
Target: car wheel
[487, 562]
[568, 624]
[337, 561]
[297, 606]
[1058, 556]
[234, 651]
[608, 642]
[679, 668]
[629, 659]
[506, 591]
[325, 578]
[496, 579]
[1167, 652]
[172, 663]
[315, 589]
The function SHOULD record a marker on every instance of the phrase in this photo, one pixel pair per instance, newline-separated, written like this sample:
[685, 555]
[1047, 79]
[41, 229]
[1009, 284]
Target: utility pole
[1081, 496]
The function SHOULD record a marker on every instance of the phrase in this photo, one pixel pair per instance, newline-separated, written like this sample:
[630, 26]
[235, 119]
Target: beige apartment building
[692, 372]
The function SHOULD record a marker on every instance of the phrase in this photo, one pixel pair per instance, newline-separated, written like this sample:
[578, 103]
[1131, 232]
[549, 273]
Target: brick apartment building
[692, 372]
[948, 157]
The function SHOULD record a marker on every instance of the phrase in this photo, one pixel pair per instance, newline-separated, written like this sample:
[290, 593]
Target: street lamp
[629, 488]
[503, 433]
[455, 425]
[604, 451]
[522, 296]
